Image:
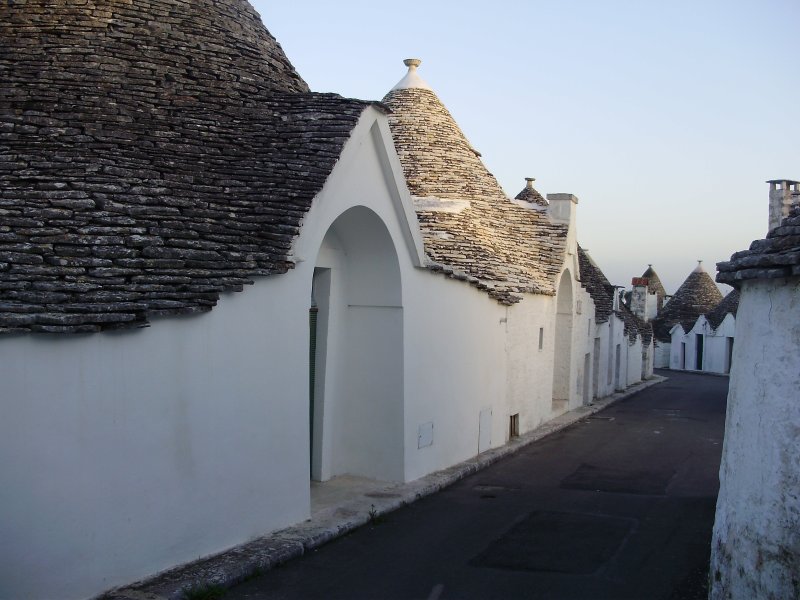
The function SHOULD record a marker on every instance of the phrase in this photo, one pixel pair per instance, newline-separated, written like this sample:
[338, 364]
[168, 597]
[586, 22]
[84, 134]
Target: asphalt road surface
[620, 505]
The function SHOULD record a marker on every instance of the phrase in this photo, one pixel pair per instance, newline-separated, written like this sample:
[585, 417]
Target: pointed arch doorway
[356, 366]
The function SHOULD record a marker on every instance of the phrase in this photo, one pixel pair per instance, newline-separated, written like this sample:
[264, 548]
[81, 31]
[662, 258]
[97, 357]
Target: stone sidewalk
[338, 518]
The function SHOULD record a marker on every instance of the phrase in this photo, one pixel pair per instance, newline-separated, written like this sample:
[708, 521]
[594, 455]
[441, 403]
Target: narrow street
[620, 505]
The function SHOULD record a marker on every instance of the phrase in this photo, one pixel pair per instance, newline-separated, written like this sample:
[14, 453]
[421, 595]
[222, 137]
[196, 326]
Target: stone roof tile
[775, 257]
[598, 286]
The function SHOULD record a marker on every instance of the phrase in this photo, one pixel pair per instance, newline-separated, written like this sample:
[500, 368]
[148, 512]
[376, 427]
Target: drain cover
[556, 542]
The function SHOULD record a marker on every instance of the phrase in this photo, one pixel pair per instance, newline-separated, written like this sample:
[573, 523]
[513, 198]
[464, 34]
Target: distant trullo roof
[155, 154]
[602, 293]
[530, 194]
[471, 229]
[697, 295]
[654, 286]
[728, 305]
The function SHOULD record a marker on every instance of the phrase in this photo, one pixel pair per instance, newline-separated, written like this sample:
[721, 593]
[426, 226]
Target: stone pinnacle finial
[530, 181]
[699, 267]
[412, 78]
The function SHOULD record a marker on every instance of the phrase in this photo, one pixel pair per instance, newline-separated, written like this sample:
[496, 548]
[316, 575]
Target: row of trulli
[402, 314]
[694, 329]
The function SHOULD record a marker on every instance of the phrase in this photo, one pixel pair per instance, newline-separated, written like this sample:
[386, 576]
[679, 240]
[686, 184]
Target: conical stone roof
[728, 305]
[530, 194]
[154, 154]
[471, 229]
[654, 286]
[696, 296]
[170, 52]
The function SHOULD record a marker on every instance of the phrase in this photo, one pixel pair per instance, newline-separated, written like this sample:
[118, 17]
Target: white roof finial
[412, 78]
[699, 268]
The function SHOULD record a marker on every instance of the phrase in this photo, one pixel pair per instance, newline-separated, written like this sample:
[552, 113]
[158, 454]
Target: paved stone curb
[253, 558]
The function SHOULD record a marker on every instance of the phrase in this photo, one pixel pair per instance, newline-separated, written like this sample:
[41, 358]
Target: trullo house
[755, 549]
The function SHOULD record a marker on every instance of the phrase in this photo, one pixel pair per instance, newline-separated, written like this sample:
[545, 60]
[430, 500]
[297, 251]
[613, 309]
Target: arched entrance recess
[562, 362]
[356, 410]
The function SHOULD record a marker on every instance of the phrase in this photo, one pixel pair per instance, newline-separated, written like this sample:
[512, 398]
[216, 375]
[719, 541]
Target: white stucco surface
[661, 355]
[716, 346]
[756, 544]
[125, 453]
[633, 368]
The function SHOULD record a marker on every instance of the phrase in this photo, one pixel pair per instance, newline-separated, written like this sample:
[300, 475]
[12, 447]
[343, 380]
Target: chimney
[783, 194]
[618, 291]
[562, 207]
[638, 303]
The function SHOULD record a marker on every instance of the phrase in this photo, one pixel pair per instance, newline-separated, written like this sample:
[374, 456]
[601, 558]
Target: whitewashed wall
[715, 357]
[455, 357]
[124, 453]
[634, 359]
[661, 355]
[600, 369]
[681, 355]
[755, 550]
[648, 350]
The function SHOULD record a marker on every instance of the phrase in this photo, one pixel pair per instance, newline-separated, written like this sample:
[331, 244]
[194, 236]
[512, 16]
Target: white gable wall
[716, 346]
[682, 350]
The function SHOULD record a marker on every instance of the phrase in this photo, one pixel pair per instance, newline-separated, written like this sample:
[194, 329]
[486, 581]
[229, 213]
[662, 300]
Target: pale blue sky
[664, 118]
